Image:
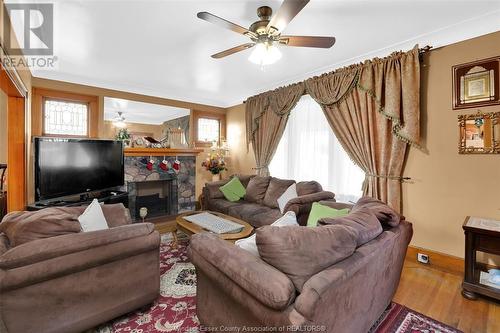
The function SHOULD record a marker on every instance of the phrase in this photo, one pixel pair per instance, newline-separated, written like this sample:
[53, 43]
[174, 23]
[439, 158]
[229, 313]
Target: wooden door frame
[17, 134]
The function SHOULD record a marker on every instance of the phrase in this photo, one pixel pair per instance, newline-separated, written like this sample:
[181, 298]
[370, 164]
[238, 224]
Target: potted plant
[124, 136]
[215, 164]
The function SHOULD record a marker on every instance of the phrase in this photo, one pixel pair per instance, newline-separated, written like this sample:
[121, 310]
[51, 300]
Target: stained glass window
[65, 118]
[208, 129]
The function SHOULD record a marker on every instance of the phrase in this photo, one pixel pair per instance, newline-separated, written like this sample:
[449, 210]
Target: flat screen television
[66, 167]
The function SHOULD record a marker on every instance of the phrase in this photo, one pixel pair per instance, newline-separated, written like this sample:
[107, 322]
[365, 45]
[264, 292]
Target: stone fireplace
[163, 191]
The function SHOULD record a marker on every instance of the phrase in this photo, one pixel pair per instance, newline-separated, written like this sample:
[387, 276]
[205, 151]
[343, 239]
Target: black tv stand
[106, 197]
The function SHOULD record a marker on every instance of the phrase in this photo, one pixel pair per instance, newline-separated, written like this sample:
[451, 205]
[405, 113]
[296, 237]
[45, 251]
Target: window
[65, 118]
[208, 126]
[208, 129]
[309, 150]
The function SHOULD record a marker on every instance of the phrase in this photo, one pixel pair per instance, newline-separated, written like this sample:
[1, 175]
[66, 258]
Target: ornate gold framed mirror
[479, 133]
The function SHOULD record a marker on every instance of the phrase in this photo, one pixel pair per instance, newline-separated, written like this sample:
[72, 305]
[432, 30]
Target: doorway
[14, 138]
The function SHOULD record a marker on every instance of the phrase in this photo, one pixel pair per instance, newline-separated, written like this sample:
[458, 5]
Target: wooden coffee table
[191, 228]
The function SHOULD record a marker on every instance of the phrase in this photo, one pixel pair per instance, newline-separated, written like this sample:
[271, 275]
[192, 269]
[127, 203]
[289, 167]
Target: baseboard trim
[437, 260]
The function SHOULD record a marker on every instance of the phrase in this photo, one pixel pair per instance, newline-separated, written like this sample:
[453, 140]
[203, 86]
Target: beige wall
[446, 186]
[109, 131]
[3, 127]
[240, 160]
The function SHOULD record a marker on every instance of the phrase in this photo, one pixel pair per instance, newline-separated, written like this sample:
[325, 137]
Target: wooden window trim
[38, 105]
[208, 115]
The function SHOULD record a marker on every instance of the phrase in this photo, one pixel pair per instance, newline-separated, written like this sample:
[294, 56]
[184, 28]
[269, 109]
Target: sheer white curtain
[309, 150]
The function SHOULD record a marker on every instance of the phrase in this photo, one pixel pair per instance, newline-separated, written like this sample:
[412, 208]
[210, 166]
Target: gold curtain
[374, 111]
[266, 118]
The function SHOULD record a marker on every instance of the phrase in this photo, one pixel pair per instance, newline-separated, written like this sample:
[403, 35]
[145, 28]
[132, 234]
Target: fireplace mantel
[162, 151]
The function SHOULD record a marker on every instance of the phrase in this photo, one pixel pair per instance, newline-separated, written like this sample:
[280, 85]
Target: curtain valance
[390, 81]
[266, 118]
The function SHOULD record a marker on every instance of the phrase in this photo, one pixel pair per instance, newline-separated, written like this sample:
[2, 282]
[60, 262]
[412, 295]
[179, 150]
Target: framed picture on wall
[476, 84]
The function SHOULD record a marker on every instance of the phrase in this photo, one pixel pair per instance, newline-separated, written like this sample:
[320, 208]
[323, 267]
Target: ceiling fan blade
[308, 41]
[222, 23]
[287, 11]
[232, 50]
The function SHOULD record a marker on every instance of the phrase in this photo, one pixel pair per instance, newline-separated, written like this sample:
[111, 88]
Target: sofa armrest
[302, 204]
[54, 247]
[259, 279]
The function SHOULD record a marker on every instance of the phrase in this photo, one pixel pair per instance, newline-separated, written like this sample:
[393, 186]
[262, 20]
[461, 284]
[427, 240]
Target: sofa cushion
[301, 252]
[256, 189]
[319, 211]
[385, 214]
[233, 190]
[4, 243]
[213, 189]
[222, 205]
[360, 218]
[246, 209]
[244, 179]
[265, 218]
[289, 194]
[249, 243]
[275, 189]
[23, 227]
[115, 214]
[304, 188]
[93, 218]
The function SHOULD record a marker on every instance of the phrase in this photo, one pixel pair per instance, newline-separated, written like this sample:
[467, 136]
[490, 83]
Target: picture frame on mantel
[476, 84]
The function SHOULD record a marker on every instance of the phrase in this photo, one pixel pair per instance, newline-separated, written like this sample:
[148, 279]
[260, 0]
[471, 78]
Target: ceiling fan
[265, 34]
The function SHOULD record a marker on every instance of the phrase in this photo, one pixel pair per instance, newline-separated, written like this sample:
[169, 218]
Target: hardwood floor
[438, 295]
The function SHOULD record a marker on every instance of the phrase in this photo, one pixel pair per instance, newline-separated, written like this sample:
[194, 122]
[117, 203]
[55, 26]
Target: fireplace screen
[158, 196]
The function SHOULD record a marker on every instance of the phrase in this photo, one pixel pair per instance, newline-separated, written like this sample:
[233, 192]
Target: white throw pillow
[93, 218]
[249, 244]
[289, 194]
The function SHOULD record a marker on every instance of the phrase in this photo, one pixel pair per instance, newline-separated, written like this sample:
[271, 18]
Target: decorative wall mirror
[140, 124]
[479, 133]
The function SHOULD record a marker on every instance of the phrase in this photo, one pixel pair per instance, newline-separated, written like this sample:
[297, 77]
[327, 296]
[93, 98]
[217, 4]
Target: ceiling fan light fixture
[119, 121]
[265, 54]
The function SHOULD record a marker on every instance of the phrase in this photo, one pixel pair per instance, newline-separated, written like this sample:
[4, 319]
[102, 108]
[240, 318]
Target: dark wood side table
[480, 235]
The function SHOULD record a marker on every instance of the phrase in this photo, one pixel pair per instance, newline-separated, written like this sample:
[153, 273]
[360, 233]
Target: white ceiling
[139, 112]
[161, 48]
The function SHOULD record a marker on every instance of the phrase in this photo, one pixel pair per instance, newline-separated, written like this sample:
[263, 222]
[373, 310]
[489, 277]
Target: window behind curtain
[309, 150]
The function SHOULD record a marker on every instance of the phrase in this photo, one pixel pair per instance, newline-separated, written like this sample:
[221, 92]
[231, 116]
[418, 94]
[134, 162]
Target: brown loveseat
[235, 288]
[259, 206]
[75, 281]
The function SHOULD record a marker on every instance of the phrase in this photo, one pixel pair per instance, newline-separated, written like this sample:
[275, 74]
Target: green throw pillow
[233, 190]
[319, 211]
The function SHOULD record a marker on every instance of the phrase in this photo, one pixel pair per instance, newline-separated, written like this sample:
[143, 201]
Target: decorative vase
[216, 177]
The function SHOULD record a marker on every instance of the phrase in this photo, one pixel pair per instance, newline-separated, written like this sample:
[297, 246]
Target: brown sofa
[73, 282]
[235, 288]
[259, 206]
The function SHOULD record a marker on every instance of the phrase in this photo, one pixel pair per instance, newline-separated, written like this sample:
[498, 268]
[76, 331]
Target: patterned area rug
[175, 308]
